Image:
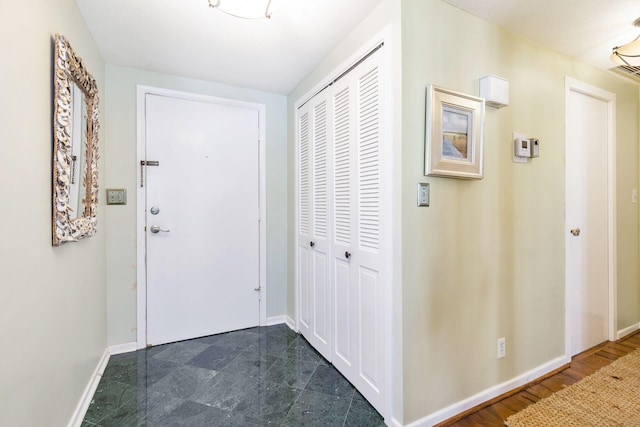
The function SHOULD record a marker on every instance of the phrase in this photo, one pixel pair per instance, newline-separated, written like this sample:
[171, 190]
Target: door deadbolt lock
[154, 210]
[575, 231]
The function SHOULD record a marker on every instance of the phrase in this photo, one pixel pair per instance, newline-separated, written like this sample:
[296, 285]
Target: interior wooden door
[587, 205]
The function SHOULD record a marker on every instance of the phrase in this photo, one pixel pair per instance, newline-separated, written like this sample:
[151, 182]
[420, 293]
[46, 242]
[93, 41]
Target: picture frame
[453, 134]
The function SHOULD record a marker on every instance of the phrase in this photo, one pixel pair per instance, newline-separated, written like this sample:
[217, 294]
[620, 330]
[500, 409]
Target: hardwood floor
[582, 365]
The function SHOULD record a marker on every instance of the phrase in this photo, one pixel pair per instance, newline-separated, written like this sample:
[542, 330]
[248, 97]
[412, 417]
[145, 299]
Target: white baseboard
[90, 389]
[291, 323]
[276, 320]
[483, 396]
[123, 348]
[628, 330]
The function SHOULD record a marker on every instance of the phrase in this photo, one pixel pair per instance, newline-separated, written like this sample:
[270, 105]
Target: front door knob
[156, 229]
[575, 231]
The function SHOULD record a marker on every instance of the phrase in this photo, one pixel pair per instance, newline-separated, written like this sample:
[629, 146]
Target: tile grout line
[295, 356]
[303, 387]
[346, 415]
[293, 405]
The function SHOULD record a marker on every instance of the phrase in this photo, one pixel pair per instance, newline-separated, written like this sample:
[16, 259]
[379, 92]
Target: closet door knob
[312, 244]
[347, 255]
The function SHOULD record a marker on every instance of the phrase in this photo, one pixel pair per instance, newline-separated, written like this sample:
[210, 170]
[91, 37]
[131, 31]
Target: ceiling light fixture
[243, 9]
[628, 54]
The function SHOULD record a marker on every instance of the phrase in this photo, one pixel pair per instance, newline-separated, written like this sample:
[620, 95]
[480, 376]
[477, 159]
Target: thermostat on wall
[525, 148]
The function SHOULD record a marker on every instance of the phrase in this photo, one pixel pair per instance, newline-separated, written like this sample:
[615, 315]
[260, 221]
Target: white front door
[588, 132]
[203, 264]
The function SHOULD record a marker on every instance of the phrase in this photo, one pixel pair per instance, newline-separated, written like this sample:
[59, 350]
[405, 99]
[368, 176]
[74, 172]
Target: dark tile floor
[253, 377]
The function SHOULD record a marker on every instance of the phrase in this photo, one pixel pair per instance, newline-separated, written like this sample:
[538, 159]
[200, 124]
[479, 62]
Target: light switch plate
[116, 196]
[423, 194]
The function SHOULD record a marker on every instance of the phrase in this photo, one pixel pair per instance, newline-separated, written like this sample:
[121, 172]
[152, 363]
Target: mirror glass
[79, 120]
[75, 146]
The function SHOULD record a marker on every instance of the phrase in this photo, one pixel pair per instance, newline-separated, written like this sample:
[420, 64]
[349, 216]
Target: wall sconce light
[628, 54]
[247, 9]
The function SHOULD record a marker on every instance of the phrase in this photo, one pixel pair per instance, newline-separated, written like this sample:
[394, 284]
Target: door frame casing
[141, 92]
[573, 85]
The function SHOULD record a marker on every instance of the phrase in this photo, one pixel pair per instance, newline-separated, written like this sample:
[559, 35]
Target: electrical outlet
[502, 347]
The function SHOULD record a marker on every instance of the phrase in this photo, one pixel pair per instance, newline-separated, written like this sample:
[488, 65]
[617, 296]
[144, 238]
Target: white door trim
[388, 197]
[141, 303]
[573, 85]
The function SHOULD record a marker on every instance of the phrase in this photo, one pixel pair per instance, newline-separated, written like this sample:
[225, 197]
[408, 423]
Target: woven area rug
[608, 397]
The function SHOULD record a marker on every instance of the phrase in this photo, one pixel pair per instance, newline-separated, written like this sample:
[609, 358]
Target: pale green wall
[120, 154]
[628, 233]
[486, 259]
[52, 300]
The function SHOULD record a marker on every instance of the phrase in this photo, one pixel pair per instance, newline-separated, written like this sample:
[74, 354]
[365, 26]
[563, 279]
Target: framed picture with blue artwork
[453, 134]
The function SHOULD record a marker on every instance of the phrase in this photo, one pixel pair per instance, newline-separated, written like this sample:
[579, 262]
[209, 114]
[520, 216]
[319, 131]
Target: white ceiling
[187, 38]
[583, 29]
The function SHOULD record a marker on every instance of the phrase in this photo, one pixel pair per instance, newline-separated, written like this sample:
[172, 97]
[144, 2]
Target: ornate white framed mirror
[76, 123]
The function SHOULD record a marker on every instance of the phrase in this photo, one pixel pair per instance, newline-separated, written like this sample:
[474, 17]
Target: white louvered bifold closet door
[315, 224]
[340, 255]
[303, 280]
[356, 250]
